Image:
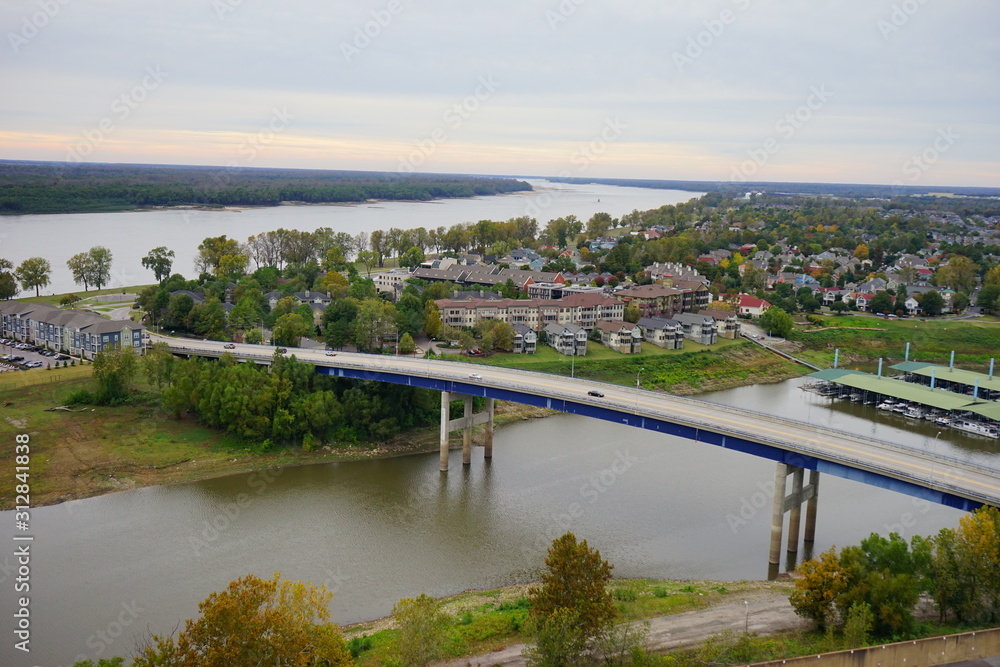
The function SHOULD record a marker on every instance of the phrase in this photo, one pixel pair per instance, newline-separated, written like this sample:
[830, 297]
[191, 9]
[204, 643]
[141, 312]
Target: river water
[107, 569]
[130, 236]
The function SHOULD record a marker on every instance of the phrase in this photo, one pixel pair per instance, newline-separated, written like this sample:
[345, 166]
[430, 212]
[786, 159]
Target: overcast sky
[858, 91]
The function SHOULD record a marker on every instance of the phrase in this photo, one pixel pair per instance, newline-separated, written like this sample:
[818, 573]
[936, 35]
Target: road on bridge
[963, 479]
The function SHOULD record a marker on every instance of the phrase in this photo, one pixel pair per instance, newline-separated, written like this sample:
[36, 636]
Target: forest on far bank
[60, 187]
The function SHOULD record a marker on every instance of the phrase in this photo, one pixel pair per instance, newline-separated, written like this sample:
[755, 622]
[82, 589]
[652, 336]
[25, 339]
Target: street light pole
[746, 626]
[638, 373]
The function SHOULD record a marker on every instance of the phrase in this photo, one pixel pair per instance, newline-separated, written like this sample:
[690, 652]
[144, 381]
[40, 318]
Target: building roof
[654, 291]
[657, 322]
[951, 375]
[717, 314]
[611, 326]
[749, 301]
[692, 318]
[907, 391]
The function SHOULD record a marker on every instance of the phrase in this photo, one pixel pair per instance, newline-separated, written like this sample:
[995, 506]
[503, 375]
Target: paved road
[959, 478]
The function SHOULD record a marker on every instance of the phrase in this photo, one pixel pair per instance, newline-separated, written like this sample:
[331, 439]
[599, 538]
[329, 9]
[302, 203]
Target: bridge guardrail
[413, 367]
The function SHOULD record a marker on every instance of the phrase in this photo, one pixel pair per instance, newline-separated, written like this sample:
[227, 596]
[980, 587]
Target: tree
[861, 252]
[79, 267]
[412, 257]
[114, 371]
[232, 266]
[99, 266]
[881, 303]
[8, 284]
[374, 320]
[989, 297]
[246, 313]
[212, 250]
[959, 274]
[34, 272]
[776, 321]
[289, 330]
[575, 581]
[632, 313]
[932, 303]
[960, 302]
[406, 345]
[158, 364]
[992, 277]
[421, 630]
[820, 582]
[255, 622]
[159, 261]
[368, 259]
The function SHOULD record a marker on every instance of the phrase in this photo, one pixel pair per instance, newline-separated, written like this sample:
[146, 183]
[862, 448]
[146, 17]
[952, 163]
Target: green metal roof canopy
[951, 375]
[907, 391]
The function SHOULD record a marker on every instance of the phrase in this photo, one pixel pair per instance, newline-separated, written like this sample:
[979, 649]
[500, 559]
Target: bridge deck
[940, 479]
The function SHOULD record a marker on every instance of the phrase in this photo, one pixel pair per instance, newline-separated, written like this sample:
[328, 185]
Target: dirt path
[770, 613]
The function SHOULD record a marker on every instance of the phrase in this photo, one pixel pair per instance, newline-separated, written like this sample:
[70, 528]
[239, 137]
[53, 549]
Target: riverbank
[487, 624]
[97, 450]
[90, 451]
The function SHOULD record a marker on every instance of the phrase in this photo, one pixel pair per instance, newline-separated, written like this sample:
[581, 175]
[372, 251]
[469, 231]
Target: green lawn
[53, 299]
[869, 338]
[694, 369]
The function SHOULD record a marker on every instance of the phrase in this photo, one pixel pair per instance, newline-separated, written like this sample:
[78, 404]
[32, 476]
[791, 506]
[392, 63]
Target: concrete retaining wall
[933, 651]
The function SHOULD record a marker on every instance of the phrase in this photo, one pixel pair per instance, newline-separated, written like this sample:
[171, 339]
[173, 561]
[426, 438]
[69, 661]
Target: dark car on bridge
[594, 392]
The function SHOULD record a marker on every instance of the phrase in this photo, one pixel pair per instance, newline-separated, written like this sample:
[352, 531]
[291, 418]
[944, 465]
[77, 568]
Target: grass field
[868, 338]
[484, 621]
[694, 369]
[53, 299]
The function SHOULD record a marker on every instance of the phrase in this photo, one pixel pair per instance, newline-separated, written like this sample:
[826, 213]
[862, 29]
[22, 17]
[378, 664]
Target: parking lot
[15, 356]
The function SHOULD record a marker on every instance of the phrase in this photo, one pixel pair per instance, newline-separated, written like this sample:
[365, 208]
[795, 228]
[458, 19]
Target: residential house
[78, 332]
[525, 340]
[726, 323]
[662, 332]
[699, 328]
[578, 309]
[391, 281]
[654, 300]
[568, 339]
[752, 306]
[623, 337]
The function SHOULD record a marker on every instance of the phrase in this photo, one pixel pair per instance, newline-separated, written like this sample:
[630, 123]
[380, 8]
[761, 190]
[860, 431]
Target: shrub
[659, 592]
[626, 594]
[80, 397]
[359, 645]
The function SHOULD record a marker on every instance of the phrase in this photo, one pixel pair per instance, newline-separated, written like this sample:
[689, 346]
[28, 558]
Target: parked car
[230, 346]
[62, 357]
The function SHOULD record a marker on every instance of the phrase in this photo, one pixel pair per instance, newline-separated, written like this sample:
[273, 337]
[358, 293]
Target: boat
[914, 412]
[886, 405]
[900, 407]
[943, 421]
[978, 428]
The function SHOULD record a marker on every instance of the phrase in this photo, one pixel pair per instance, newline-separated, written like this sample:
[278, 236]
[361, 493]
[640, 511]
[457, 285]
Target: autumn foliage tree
[575, 578]
[255, 622]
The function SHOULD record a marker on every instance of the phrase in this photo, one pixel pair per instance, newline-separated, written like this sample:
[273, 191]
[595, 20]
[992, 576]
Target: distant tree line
[64, 188]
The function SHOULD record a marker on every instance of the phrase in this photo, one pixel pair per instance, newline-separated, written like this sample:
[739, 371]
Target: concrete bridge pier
[465, 424]
[792, 503]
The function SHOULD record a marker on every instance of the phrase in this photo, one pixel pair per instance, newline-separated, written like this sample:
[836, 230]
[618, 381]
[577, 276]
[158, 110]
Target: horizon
[590, 179]
[733, 91]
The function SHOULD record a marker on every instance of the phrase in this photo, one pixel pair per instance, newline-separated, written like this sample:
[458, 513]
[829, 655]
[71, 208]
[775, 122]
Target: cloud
[752, 62]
